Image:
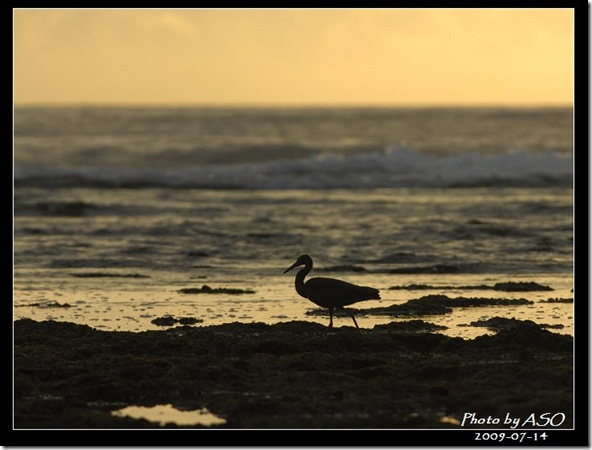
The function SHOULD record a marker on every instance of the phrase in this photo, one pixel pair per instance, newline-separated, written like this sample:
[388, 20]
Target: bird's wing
[331, 291]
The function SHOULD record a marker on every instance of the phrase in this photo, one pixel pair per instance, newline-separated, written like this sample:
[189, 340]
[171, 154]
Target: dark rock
[521, 286]
[410, 326]
[289, 375]
[440, 304]
[502, 323]
[47, 304]
[168, 321]
[509, 286]
[205, 289]
[189, 320]
[164, 321]
[558, 300]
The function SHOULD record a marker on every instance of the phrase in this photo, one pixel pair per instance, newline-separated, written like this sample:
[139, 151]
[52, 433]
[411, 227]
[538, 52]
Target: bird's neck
[299, 283]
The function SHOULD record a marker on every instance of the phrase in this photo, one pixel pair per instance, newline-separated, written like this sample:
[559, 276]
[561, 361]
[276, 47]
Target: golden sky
[294, 56]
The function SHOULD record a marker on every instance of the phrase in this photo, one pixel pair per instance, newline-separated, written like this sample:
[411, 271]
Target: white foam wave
[397, 167]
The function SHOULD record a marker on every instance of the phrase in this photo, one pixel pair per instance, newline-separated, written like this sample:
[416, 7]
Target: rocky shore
[290, 375]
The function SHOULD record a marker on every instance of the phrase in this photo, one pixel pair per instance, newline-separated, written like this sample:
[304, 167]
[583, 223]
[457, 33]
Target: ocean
[124, 215]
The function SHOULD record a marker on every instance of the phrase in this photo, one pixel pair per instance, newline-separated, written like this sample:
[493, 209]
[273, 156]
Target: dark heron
[329, 292]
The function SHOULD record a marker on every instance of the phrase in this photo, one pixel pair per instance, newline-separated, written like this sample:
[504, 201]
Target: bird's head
[303, 260]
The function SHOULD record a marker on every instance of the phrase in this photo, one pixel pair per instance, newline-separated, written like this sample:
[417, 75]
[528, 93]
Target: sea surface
[119, 211]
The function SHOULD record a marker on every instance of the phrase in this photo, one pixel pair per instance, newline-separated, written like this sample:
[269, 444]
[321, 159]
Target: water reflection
[164, 414]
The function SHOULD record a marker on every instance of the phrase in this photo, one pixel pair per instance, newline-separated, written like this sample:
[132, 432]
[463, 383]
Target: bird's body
[329, 293]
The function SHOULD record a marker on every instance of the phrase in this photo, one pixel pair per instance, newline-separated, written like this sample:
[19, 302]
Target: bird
[330, 293]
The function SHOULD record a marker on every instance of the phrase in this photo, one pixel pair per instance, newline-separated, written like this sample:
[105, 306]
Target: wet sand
[290, 375]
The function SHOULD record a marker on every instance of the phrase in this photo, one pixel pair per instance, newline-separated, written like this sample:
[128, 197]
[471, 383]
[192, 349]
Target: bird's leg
[330, 319]
[351, 314]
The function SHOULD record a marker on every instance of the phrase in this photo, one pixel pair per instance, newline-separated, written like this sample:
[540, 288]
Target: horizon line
[328, 105]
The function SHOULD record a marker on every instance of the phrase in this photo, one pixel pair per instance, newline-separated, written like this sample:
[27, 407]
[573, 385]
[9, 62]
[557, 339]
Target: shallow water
[163, 414]
[274, 300]
[121, 264]
[116, 210]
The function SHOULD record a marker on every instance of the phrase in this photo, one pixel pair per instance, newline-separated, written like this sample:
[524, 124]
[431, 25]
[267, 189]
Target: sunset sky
[294, 56]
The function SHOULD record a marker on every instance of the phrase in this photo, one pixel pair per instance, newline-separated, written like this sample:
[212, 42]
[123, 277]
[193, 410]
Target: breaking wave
[396, 167]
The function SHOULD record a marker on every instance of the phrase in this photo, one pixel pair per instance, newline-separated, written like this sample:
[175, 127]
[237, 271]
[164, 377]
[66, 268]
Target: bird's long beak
[296, 264]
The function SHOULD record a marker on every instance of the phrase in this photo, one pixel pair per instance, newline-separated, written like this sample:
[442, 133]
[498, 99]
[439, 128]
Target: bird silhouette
[329, 293]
